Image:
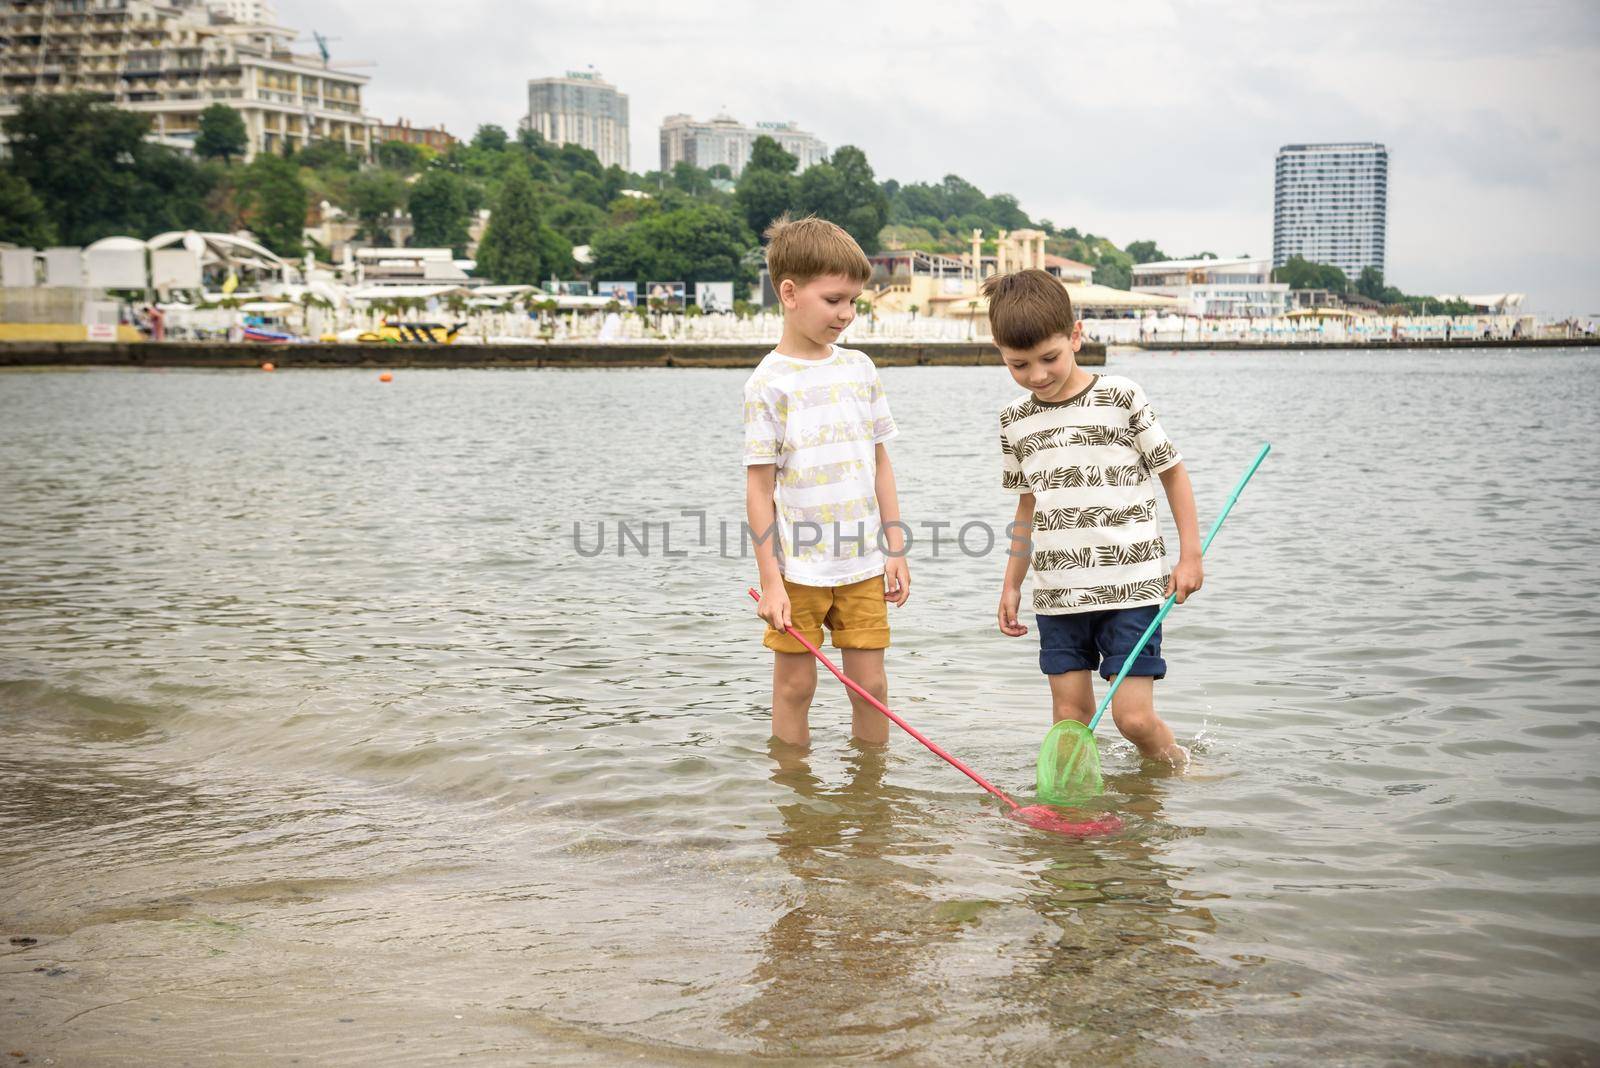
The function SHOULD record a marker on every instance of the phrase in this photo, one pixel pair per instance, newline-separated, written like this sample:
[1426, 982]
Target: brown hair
[803, 249]
[1026, 307]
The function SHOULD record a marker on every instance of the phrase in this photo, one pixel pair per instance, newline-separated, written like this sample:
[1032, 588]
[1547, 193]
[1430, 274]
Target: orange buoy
[386, 377]
[268, 367]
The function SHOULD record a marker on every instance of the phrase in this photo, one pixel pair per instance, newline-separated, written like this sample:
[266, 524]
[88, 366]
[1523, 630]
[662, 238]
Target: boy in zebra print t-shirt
[1083, 452]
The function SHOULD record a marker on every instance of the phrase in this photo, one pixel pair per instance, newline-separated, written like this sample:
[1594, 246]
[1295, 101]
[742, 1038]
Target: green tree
[767, 186]
[1003, 210]
[952, 208]
[490, 138]
[767, 155]
[273, 203]
[1146, 252]
[588, 189]
[328, 156]
[696, 243]
[1369, 283]
[575, 158]
[373, 197]
[402, 156]
[23, 219]
[439, 211]
[90, 167]
[763, 196]
[574, 220]
[688, 178]
[509, 252]
[845, 191]
[613, 182]
[170, 193]
[222, 134]
[1301, 273]
[1113, 267]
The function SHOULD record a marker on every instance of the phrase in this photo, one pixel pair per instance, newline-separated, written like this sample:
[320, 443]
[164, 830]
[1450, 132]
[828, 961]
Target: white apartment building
[171, 61]
[1216, 288]
[724, 139]
[249, 12]
[1331, 205]
[581, 109]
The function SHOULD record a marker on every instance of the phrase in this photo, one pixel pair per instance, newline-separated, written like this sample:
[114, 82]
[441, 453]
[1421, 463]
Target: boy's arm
[1188, 575]
[896, 573]
[1018, 556]
[760, 480]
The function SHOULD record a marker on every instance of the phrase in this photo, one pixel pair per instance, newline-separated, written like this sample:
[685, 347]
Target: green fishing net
[1069, 765]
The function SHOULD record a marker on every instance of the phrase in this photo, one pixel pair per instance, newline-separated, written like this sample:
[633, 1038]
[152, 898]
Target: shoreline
[17, 355]
[175, 354]
[1375, 346]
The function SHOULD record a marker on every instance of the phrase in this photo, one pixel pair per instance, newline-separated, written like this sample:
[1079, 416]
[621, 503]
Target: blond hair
[803, 249]
[1026, 307]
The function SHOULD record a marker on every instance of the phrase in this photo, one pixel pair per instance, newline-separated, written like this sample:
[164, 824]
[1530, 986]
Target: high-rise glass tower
[1330, 205]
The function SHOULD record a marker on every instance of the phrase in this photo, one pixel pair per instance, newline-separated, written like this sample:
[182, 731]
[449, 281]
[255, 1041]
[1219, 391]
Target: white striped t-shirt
[819, 422]
[1089, 461]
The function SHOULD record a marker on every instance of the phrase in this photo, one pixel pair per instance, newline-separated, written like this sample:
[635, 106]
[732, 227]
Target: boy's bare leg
[865, 667]
[1133, 707]
[1071, 696]
[794, 683]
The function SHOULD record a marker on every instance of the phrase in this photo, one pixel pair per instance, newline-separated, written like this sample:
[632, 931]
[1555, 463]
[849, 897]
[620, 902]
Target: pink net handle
[902, 724]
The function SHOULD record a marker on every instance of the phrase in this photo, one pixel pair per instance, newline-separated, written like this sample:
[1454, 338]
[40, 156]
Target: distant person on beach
[1082, 451]
[818, 477]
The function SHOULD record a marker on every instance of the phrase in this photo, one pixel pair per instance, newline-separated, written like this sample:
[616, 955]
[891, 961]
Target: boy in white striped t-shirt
[1082, 450]
[819, 489]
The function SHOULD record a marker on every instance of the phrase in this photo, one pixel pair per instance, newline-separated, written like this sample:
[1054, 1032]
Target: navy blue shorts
[1089, 641]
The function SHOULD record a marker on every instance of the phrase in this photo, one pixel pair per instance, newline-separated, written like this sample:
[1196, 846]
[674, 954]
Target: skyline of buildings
[722, 139]
[435, 137]
[1330, 205]
[172, 60]
[581, 108]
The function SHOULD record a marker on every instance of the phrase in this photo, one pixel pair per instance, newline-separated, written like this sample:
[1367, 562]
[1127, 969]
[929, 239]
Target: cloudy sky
[1130, 119]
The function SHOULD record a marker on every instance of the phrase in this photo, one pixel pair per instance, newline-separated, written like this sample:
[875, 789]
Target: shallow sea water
[321, 741]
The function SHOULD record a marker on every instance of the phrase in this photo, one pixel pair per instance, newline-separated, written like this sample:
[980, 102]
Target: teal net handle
[1138, 648]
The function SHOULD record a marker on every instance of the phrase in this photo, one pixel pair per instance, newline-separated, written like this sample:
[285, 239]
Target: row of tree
[80, 170]
[1301, 273]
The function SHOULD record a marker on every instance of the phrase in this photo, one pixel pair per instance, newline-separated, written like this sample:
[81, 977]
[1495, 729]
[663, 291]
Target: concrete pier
[535, 354]
[1375, 346]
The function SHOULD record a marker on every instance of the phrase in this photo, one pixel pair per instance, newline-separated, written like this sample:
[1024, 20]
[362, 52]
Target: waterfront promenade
[1307, 344]
[531, 354]
[223, 355]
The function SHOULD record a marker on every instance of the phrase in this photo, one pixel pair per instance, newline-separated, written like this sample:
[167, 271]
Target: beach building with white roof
[1237, 287]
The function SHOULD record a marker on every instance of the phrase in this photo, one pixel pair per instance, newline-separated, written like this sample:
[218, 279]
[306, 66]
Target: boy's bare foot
[1174, 757]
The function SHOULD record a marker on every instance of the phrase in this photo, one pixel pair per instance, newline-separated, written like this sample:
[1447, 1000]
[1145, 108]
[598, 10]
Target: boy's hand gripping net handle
[1105, 702]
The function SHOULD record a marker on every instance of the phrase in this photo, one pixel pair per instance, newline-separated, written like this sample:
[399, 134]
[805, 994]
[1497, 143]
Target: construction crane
[322, 47]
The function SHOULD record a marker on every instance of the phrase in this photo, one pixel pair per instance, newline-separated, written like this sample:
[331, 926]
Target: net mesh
[1069, 765]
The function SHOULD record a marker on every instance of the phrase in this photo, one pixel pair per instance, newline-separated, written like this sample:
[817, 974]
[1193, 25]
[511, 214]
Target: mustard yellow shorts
[856, 614]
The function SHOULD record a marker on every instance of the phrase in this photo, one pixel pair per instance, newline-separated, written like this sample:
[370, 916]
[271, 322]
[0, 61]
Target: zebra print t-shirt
[1089, 461]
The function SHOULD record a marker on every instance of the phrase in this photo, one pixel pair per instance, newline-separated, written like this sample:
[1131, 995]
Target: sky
[1135, 120]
